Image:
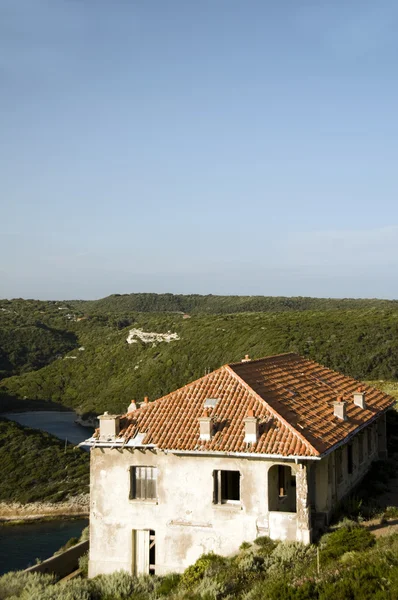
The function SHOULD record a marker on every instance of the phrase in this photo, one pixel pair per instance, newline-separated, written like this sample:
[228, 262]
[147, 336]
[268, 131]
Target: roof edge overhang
[243, 455]
[356, 431]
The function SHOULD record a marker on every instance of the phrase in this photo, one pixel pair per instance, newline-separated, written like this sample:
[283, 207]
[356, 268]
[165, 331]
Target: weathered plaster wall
[184, 518]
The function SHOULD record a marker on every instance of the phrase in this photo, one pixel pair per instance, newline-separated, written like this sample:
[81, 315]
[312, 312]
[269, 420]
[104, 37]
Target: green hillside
[32, 334]
[197, 304]
[37, 466]
[109, 372]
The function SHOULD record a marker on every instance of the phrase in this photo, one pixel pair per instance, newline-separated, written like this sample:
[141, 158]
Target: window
[370, 440]
[143, 483]
[226, 487]
[349, 459]
[339, 465]
[360, 447]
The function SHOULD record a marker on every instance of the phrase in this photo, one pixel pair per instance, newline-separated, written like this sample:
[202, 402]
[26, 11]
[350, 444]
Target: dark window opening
[339, 465]
[143, 483]
[226, 487]
[349, 459]
[281, 481]
[152, 552]
[370, 444]
[281, 489]
[360, 447]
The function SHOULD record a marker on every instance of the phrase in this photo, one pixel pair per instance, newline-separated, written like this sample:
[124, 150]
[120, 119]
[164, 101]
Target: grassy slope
[109, 372]
[35, 466]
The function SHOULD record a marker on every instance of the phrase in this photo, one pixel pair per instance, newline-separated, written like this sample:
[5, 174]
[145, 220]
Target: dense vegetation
[197, 304]
[32, 334]
[348, 564]
[109, 371]
[38, 466]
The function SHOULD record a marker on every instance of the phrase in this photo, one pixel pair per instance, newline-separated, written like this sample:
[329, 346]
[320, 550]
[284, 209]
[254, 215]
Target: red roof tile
[291, 396]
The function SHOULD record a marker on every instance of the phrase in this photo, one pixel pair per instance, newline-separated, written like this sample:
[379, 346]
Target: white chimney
[205, 426]
[246, 359]
[359, 398]
[251, 428]
[340, 409]
[109, 427]
[132, 406]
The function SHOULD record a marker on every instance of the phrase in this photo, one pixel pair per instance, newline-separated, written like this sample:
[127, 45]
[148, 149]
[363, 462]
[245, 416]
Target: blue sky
[198, 146]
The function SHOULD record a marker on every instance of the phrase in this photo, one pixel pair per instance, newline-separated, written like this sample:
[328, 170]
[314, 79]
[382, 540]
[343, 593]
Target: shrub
[76, 589]
[335, 544]
[168, 584]
[193, 574]
[123, 586]
[83, 564]
[13, 584]
[245, 546]
[85, 536]
[266, 544]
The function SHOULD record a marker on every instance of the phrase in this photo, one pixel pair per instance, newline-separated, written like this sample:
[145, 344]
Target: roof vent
[211, 402]
[205, 426]
[246, 359]
[251, 428]
[359, 397]
[340, 408]
[109, 427]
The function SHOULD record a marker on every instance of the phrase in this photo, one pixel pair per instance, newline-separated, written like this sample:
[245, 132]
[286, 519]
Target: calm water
[60, 424]
[20, 545]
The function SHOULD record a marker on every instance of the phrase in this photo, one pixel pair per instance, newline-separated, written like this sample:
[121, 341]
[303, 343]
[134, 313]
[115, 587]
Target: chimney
[109, 427]
[359, 397]
[251, 428]
[246, 359]
[340, 408]
[132, 406]
[146, 402]
[205, 426]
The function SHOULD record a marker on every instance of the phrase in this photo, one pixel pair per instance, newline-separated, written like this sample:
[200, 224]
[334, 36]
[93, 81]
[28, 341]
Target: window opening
[226, 487]
[360, 447]
[152, 552]
[143, 483]
[349, 459]
[370, 440]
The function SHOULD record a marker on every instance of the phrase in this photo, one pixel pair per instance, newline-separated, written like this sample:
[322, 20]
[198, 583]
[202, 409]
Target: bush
[168, 584]
[13, 584]
[76, 589]
[83, 564]
[193, 574]
[345, 539]
[123, 586]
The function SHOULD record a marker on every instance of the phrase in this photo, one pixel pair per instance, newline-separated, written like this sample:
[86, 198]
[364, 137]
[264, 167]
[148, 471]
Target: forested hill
[120, 357]
[195, 304]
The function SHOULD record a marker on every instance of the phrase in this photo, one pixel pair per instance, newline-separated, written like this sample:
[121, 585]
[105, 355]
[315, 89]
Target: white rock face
[150, 337]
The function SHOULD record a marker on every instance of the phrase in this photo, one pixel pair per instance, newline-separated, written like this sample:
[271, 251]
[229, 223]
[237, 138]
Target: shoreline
[15, 512]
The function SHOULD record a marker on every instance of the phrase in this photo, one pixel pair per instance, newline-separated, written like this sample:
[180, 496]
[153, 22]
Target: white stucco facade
[184, 520]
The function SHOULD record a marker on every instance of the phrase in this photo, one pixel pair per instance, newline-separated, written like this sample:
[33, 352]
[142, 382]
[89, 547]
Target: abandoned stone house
[261, 447]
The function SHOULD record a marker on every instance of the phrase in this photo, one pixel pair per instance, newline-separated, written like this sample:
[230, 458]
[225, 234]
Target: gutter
[95, 443]
[243, 455]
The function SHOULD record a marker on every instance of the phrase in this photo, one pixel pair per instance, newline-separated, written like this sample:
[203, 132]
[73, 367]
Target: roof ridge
[254, 360]
[273, 410]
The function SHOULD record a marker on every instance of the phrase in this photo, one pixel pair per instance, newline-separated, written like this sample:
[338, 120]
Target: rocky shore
[74, 507]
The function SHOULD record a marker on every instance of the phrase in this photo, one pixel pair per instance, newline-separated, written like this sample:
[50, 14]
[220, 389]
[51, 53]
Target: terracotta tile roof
[291, 396]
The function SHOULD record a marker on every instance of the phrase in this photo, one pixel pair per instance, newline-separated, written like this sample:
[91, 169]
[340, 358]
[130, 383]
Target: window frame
[147, 491]
[220, 487]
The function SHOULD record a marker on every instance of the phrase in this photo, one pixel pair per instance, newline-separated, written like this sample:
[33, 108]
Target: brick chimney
[205, 426]
[251, 428]
[359, 397]
[340, 408]
[109, 427]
